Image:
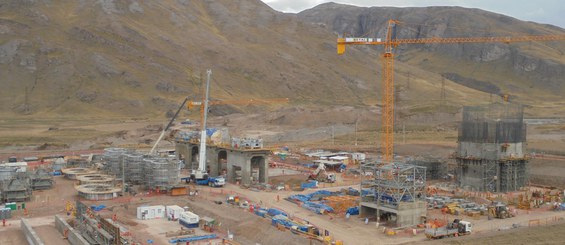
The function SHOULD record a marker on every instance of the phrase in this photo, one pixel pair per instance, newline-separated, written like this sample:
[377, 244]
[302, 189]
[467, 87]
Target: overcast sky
[542, 11]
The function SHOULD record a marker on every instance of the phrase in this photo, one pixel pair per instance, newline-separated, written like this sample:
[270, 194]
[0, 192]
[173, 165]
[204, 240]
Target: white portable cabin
[189, 219]
[173, 212]
[151, 212]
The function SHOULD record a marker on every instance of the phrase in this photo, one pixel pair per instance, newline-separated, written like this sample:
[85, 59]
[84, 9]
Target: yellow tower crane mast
[389, 43]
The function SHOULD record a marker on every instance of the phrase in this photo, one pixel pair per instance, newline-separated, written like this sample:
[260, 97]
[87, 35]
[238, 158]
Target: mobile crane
[200, 175]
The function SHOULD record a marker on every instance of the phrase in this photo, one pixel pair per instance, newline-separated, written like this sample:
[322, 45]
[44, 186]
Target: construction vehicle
[321, 175]
[309, 231]
[499, 211]
[232, 199]
[200, 173]
[453, 208]
[212, 181]
[390, 42]
[454, 229]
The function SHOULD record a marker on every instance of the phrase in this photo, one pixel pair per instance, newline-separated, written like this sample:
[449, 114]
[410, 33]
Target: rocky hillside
[131, 58]
[530, 72]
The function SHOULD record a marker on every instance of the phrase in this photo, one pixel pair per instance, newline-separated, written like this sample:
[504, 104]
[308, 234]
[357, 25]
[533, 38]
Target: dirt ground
[251, 229]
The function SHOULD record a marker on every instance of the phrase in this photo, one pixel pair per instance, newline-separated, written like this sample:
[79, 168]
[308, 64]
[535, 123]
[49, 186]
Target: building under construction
[394, 193]
[151, 171]
[491, 149]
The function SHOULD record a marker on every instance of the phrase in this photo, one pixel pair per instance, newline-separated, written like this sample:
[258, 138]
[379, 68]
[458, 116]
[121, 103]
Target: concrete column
[231, 173]
[183, 152]
[263, 170]
[246, 171]
[212, 160]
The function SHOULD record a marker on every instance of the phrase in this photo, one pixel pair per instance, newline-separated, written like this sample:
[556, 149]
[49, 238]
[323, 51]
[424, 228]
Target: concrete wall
[73, 236]
[490, 151]
[407, 213]
[183, 150]
[31, 237]
[235, 158]
[471, 175]
[410, 213]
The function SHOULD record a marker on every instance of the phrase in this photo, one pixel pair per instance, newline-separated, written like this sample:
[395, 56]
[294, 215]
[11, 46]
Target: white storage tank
[151, 212]
[189, 219]
[173, 212]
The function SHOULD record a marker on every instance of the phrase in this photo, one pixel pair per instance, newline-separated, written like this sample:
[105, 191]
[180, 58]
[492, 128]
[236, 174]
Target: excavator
[321, 175]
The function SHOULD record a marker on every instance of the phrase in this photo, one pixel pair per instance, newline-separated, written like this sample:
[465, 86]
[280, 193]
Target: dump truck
[321, 175]
[456, 228]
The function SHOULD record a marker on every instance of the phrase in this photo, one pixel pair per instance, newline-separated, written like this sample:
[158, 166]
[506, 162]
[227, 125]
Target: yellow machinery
[499, 211]
[390, 42]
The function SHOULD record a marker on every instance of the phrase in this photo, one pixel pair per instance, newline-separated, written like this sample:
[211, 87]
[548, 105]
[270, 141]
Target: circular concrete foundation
[98, 191]
[73, 173]
[95, 179]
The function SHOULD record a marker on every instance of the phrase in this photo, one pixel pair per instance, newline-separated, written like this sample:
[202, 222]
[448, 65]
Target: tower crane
[390, 42]
[201, 173]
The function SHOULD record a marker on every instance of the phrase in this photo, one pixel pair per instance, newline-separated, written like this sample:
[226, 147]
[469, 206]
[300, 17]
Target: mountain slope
[530, 71]
[141, 58]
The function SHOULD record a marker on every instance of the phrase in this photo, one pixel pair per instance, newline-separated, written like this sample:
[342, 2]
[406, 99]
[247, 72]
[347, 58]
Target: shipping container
[173, 212]
[189, 219]
[151, 212]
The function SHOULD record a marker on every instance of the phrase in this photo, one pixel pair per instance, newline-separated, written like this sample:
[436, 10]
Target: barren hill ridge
[140, 58]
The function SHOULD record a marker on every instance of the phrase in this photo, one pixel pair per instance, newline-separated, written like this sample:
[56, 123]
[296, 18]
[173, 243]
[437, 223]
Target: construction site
[268, 171]
[119, 195]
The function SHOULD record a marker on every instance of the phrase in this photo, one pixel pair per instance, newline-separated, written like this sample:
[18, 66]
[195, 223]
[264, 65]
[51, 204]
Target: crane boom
[167, 127]
[507, 39]
[390, 42]
[201, 173]
[202, 153]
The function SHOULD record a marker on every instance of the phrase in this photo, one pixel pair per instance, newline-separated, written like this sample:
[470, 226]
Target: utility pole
[333, 135]
[356, 120]
[123, 177]
[442, 92]
[403, 133]
[408, 82]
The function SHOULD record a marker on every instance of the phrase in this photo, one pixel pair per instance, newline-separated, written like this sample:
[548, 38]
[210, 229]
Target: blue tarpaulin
[310, 184]
[274, 212]
[353, 211]
[318, 208]
[210, 131]
[284, 221]
[192, 238]
[97, 208]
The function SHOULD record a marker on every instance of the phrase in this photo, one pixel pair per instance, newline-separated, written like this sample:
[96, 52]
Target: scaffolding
[493, 123]
[114, 158]
[435, 168]
[513, 175]
[151, 171]
[41, 180]
[17, 190]
[134, 167]
[389, 185]
[490, 155]
[161, 173]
